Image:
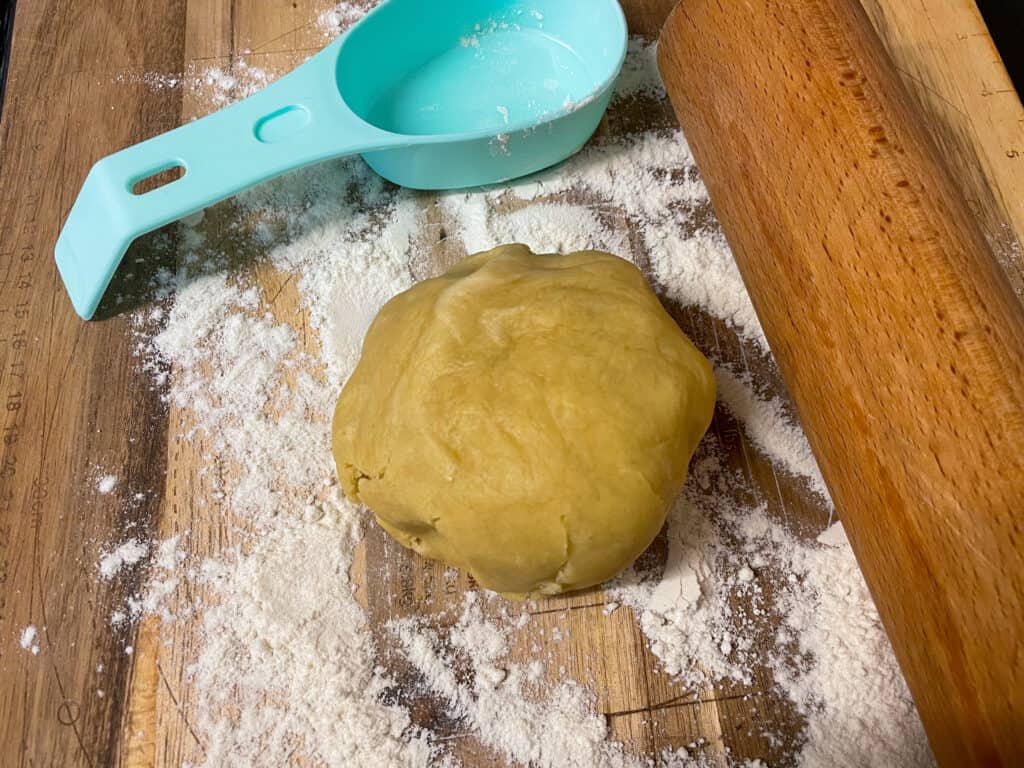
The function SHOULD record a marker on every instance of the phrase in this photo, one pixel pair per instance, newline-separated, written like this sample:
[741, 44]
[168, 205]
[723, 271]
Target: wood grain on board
[73, 402]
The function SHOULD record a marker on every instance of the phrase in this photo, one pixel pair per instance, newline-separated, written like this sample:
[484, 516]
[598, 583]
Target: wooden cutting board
[74, 398]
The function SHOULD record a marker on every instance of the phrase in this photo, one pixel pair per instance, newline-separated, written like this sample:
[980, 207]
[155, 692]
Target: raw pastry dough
[528, 418]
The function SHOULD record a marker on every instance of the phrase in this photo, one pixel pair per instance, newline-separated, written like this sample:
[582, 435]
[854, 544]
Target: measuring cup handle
[298, 120]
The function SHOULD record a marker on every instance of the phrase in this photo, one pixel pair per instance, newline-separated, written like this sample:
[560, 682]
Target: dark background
[1005, 20]
[6, 28]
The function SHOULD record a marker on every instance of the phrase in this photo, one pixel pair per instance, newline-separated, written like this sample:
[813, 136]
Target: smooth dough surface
[528, 418]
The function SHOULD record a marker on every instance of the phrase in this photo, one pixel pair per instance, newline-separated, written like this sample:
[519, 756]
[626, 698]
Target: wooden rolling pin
[894, 328]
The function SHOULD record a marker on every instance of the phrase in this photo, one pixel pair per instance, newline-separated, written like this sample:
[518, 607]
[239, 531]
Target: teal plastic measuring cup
[435, 94]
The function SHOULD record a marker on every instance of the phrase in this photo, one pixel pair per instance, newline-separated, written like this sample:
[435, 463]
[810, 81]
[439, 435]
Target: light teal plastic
[435, 94]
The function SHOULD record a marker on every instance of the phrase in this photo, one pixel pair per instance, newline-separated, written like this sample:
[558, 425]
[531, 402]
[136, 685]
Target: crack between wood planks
[567, 608]
[282, 287]
[271, 41]
[232, 18]
[678, 703]
[179, 708]
[73, 722]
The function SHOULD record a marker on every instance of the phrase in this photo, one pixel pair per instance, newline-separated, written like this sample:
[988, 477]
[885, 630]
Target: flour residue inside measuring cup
[498, 72]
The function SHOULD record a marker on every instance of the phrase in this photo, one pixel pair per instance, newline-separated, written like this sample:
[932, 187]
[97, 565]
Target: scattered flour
[843, 676]
[639, 76]
[106, 484]
[125, 555]
[834, 536]
[288, 648]
[211, 86]
[288, 663]
[218, 86]
[28, 640]
[336, 20]
[501, 702]
[859, 711]
[644, 181]
[769, 428]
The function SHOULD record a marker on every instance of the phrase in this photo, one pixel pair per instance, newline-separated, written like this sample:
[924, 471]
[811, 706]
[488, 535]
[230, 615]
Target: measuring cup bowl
[492, 89]
[434, 95]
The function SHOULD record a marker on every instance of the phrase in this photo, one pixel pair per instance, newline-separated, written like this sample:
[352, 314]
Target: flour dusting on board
[769, 427]
[106, 484]
[123, 556]
[251, 336]
[28, 640]
[522, 718]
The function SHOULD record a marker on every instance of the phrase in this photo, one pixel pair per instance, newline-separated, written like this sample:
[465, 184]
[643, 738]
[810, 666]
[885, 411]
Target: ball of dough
[528, 418]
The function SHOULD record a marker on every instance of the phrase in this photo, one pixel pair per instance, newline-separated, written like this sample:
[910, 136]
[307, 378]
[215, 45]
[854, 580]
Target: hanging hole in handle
[161, 177]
